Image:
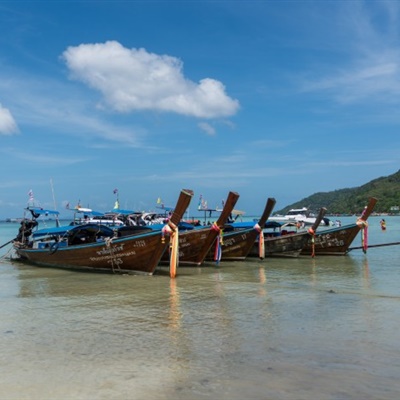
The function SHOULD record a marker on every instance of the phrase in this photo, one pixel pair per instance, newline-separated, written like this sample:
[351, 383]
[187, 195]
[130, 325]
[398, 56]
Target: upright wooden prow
[217, 226]
[314, 227]
[269, 206]
[258, 229]
[369, 208]
[320, 217]
[172, 228]
[182, 204]
[230, 203]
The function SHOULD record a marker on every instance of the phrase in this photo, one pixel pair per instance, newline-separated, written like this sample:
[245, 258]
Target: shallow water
[322, 328]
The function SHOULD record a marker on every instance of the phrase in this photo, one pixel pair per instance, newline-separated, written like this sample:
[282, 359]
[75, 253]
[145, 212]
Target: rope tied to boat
[218, 242]
[215, 227]
[312, 233]
[108, 241]
[172, 230]
[261, 243]
[168, 229]
[363, 225]
[8, 255]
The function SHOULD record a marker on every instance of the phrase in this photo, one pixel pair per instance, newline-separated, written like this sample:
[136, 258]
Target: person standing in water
[383, 224]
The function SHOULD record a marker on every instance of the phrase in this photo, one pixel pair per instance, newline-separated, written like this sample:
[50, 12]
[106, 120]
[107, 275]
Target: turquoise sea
[279, 329]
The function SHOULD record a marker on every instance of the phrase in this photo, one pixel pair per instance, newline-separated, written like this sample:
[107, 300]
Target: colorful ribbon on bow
[218, 243]
[261, 243]
[172, 230]
[364, 233]
[312, 233]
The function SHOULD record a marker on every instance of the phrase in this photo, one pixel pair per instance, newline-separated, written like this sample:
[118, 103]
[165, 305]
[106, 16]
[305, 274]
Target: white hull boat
[301, 216]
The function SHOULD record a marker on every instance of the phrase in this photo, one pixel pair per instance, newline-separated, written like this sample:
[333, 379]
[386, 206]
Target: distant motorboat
[302, 216]
[14, 220]
[88, 216]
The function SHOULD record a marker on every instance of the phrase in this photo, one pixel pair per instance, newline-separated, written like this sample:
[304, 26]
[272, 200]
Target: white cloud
[8, 125]
[362, 82]
[133, 79]
[372, 70]
[207, 128]
[43, 159]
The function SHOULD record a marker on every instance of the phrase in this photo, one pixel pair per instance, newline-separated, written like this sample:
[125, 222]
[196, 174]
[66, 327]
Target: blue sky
[267, 98]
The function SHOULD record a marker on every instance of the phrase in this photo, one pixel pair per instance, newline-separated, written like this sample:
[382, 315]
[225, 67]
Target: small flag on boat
[30, 194]
[115, 191]
[159, 200]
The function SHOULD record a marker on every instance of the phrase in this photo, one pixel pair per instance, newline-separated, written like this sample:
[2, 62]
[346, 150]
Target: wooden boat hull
[191, 247]
[96, 248]
[337, 241]
[132, 254]
[236, 245]
[195, 244]
[289, 245]
[334, 241]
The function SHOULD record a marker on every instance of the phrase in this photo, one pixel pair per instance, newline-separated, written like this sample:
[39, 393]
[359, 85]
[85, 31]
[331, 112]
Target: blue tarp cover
[41, 211]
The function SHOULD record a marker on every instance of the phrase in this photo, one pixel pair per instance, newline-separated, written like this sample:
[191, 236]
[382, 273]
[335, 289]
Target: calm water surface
[323, 328]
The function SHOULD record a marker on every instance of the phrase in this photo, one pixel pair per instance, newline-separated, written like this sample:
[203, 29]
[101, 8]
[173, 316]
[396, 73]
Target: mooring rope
[108, 242]
[7, 255]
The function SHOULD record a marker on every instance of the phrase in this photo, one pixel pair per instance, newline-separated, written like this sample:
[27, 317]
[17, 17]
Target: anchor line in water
[374, 245]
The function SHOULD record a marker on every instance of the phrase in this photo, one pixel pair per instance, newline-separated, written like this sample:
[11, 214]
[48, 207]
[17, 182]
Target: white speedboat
[302, 216]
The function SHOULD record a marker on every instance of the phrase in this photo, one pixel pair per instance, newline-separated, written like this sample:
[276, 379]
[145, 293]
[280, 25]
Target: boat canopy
[237, 212]
[121, 212]
[87, 211]
[40, 211]
[103, 230]
[250, 224]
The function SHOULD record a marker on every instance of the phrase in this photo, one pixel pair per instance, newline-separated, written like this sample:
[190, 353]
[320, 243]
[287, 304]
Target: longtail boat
[195, 244]
[337, 241]
[237, 244]
[96, 247]
[289, 245]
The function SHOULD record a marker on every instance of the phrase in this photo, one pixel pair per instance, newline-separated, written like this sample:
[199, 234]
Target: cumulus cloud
[134, 79]
[8, 125]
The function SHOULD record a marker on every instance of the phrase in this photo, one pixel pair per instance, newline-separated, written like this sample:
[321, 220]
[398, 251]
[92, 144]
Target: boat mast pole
[54, 201]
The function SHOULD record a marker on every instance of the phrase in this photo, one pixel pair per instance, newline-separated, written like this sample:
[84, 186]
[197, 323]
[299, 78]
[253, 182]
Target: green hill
[350, 201]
